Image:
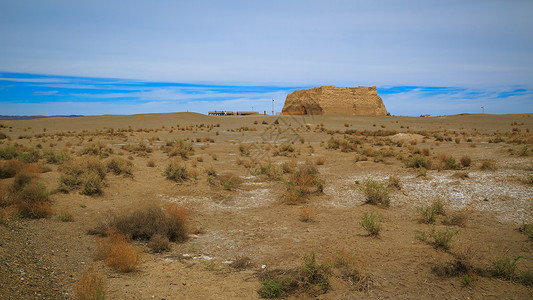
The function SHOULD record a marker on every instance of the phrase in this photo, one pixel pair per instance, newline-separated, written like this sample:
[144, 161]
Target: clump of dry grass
[438, 239]
[320, 160]
[118, 166]
[8, 213]
[27, 197]
[417, 162]
[447, 162]
[97, 149]
[229, 181]
[87, 174]
[461, 174]
[372, 222]
[241, 263]
[488, 165]
[307, 214]
[176, 171]
[150, 163]
[429, 214]
[117, 253]
[376, 192]
[141, 149]
[56, 157]
[288, 167]
[180, 148]
[353, 269]
[303, 182]
[10, 168]
[394, 182]
[90, 286]
[159, 243]
[144, 223]
[466, 161]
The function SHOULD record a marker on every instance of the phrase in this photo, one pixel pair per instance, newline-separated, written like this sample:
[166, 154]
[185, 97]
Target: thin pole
[272, 106]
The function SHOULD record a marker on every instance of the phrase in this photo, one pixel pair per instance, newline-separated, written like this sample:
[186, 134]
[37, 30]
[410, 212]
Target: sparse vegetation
[307, 214]
[117, 253]
[504, 266]
[145, 223]
[90, 285]
[429, 214]
[118, 166]
[87, 174]
[65, 216]
[176, 171]
[302, 183]
[438, 239]
[179, 148]
[466, 161]
[372, 222]
[488, 165]
[376, 192]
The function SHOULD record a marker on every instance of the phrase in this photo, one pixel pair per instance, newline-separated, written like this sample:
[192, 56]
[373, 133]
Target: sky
[126, 57]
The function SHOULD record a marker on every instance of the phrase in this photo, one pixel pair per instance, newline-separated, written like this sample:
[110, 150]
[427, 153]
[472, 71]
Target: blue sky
[124, 57]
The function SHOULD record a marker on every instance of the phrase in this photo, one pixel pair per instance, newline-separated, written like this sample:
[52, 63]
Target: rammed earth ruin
[361, 101]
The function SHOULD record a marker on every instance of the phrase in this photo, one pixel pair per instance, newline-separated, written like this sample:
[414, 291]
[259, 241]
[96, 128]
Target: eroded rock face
[362, 101]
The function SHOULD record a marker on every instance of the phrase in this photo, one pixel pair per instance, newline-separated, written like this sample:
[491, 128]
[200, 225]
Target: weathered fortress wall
[361, 101]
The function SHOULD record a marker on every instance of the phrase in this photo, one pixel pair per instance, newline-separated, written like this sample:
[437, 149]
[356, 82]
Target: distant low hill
[2, 117]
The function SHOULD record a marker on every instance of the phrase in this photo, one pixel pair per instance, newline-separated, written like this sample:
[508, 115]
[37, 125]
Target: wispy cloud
[82, 95]
[45, 93]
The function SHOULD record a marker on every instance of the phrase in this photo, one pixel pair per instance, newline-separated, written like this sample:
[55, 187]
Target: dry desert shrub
[8, 214]
[144, 223]
[90, 286]
[447, 162]
[117, 253]
[272, 171]
[288, 167]
[488, 165]
[229, 181]
[241, 263]
[176, 171]
[313, 274]
[118, 166]
[141, 149]
[307, 214]
[394, 182]
[353, 269]
[87, 174]
[10, 168]
[56, 157]
[417, 161]
[466, 161]
[97, 149]
[438, 239]
[159, 243]
[428, 214]
[302, 183]
[179, 148]
[30, 198]
[150, 163]
[372, 222]
[376, 192]
[320, 160]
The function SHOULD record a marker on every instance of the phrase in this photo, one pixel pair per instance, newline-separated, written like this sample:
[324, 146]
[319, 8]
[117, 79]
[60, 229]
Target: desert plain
[296, 207]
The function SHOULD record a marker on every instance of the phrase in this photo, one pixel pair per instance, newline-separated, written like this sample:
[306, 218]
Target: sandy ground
[43, 258]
